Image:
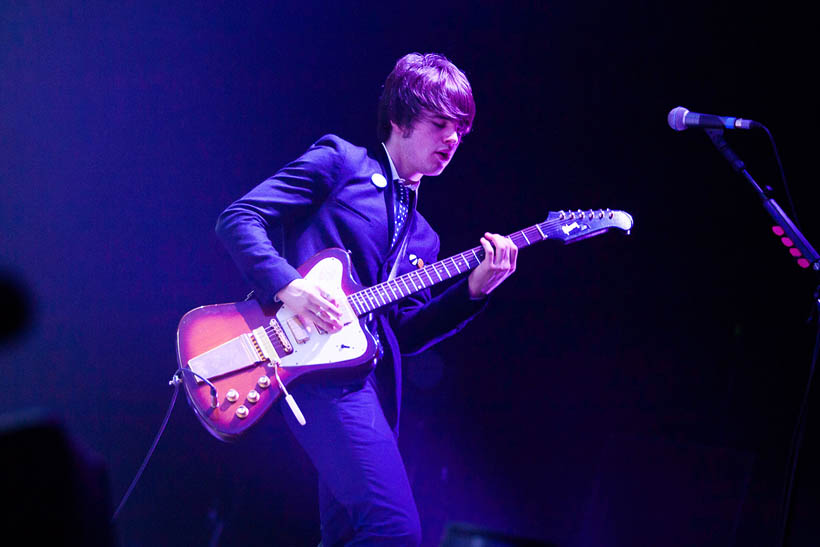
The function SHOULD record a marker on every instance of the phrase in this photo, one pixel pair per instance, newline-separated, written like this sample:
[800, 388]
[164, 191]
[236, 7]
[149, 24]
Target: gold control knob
[253, 396]
[232, 396]
[242, 412]
[263, 382]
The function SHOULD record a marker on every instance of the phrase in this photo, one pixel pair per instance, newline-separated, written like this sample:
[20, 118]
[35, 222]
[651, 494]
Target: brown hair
[425, 82]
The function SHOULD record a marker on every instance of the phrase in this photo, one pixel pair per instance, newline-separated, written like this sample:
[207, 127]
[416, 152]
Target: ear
[399, 131]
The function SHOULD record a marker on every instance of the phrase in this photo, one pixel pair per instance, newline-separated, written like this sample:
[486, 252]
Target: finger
[489, 253]
[330, 308]
[332, 304]
[513, 257]
[512, 250]
[502, 250]
[327, 296]
[306, 319]
[325, 321]
[322, 301]
[504, 244]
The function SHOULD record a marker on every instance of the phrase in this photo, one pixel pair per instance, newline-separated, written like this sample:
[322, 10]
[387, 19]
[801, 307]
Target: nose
[452, 137]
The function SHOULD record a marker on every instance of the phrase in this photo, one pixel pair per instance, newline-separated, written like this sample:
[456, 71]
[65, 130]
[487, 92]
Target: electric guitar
[235, 360]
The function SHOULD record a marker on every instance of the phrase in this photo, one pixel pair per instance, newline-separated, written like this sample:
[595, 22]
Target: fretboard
[383, 294]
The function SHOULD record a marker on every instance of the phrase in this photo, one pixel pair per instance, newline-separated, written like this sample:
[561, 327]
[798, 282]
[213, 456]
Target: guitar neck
[384, 294]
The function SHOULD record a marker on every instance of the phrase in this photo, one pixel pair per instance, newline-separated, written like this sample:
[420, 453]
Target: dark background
[622, 391]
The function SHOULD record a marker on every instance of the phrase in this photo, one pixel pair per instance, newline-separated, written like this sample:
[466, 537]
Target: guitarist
[340, 195]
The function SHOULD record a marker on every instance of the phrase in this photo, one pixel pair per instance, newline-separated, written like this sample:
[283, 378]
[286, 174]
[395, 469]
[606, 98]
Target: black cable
[175, 381]
[797, 441]
[782, 176]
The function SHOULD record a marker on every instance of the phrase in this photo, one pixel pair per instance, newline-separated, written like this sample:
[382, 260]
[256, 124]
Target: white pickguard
[348, 343]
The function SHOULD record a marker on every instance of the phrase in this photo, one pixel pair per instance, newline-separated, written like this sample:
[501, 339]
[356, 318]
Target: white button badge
[378, 180]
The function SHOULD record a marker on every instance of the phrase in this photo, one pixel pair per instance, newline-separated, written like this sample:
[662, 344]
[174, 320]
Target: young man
[340, 195]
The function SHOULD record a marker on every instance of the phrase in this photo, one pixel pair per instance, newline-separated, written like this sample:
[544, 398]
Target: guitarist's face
[426, 148]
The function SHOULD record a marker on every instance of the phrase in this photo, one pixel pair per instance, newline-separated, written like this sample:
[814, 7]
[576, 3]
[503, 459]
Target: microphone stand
[806, 256]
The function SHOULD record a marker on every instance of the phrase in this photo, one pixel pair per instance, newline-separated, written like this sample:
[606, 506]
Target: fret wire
[387, 286]
[410, 277]
[381, 294]
[397, 288]
[371, 298]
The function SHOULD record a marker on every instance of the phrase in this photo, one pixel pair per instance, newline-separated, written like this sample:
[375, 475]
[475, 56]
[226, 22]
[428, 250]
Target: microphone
[681, 118]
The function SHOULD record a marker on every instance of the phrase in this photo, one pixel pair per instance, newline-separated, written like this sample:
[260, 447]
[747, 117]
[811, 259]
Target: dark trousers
[364, 493]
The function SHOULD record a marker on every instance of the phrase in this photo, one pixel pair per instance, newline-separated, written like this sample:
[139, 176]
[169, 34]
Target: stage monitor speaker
[55, 490]
[466, 535]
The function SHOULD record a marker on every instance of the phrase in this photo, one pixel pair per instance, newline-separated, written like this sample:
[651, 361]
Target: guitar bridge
[287, 348]
[263, 344]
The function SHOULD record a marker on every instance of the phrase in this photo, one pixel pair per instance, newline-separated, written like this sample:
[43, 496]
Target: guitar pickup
[297, 328]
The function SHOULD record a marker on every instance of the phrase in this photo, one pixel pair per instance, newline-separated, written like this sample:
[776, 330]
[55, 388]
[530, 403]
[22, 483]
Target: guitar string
[362, 300]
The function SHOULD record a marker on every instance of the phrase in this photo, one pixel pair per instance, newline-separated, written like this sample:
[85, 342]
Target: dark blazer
[327, 198]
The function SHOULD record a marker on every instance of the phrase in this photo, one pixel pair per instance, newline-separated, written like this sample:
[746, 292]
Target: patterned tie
[400, 209]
